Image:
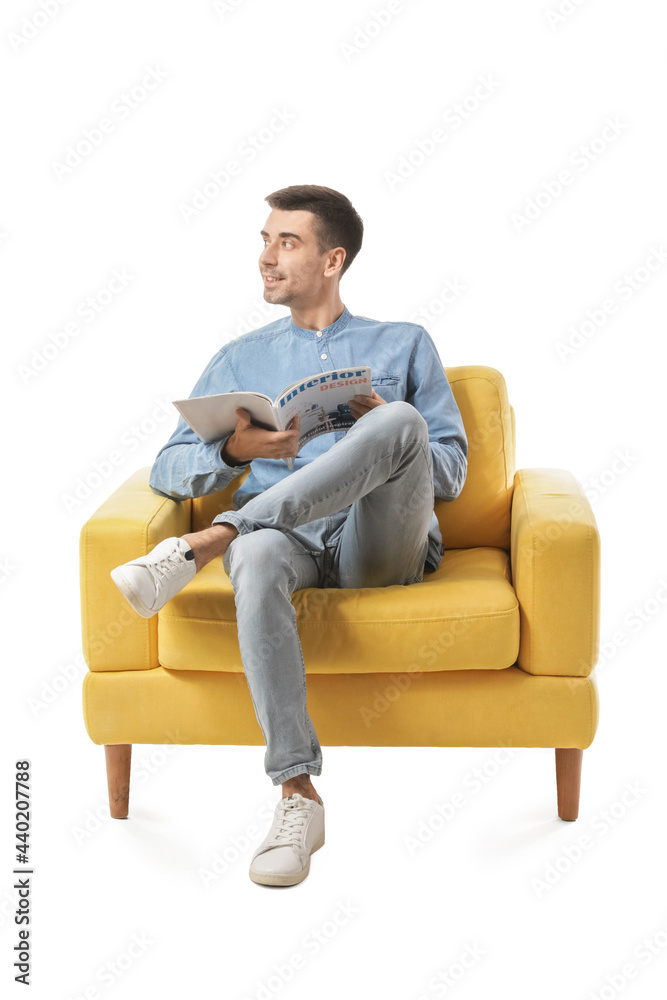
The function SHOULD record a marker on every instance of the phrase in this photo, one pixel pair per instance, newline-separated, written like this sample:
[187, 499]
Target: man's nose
[267, 255]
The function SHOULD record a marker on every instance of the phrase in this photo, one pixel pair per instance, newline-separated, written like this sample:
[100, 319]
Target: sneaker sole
[130, 594]
[293, 878]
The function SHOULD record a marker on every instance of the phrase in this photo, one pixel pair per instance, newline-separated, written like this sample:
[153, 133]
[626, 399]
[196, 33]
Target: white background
[361, 96]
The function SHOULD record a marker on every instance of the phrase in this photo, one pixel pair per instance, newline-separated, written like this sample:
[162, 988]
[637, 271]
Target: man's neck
[319, 317]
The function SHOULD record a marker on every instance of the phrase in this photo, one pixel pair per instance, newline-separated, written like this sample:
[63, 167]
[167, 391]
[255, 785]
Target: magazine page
[321, 401]
[211, 417]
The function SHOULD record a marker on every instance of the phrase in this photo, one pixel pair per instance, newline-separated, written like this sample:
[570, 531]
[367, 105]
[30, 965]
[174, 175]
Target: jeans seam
[308, 727]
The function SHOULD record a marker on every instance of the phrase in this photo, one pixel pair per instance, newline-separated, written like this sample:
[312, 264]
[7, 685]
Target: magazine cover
[320, 402]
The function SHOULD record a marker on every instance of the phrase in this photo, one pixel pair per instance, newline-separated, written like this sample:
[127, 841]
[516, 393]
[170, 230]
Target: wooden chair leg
[568, 781]
[118, 758]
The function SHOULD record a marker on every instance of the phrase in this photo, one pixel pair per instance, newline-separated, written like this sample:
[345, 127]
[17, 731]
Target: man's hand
[249, 441]
[362, 404]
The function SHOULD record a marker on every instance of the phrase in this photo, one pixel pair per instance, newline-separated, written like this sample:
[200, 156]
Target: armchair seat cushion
[464, 616]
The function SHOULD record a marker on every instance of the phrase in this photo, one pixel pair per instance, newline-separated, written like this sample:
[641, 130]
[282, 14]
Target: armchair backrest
[481, 514]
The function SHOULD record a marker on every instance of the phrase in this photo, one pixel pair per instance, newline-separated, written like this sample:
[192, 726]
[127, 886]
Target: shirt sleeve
[185, 467]
[430, 393]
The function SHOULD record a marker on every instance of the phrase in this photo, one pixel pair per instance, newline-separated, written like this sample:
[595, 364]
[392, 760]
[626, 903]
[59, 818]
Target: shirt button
[319, 333]
[323, 356]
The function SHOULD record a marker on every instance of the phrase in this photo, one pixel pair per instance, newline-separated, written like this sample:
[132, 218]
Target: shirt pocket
[388, 385]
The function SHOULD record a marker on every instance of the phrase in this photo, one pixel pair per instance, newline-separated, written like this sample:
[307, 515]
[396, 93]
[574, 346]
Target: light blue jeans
[366, 504]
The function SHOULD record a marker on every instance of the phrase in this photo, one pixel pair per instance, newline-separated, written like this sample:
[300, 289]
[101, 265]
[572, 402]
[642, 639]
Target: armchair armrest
[127, 525]
[555, 556]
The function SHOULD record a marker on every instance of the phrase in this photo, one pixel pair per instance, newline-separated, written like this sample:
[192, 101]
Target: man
[356, 510]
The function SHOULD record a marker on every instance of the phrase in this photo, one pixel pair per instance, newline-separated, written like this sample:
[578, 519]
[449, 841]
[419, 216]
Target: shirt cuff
[220, 462]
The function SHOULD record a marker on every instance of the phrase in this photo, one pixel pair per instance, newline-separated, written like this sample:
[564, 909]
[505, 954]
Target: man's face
[290, 255]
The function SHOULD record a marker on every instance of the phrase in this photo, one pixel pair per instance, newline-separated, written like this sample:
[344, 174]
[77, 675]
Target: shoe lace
[165, 567]
[291, 821]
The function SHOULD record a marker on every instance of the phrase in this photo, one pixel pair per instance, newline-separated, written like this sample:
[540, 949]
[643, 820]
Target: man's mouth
[268, 280]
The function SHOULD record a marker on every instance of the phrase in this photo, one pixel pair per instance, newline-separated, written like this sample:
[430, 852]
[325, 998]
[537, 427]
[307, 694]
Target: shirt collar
[335, 327]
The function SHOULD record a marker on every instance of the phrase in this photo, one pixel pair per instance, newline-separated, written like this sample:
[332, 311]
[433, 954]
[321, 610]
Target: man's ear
[335, 262]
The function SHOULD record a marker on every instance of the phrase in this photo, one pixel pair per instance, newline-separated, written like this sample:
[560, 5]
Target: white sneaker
[297, 831]
[149, 582]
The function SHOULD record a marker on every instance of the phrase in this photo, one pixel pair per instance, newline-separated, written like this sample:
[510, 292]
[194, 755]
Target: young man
[356, 510]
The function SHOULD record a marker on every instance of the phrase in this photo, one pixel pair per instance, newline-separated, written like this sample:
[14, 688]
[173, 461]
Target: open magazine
[319, 400]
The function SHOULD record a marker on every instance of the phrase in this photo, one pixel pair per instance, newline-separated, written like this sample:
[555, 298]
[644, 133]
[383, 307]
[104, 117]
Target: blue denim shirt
[404, 364]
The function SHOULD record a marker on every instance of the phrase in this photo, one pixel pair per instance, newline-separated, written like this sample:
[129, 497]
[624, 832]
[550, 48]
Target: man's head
[310, 238]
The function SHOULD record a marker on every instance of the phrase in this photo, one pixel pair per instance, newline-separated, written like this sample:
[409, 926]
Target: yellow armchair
[496, 648]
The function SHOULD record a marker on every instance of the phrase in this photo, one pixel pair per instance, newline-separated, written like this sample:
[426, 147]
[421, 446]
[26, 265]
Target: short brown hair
[337, 224]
